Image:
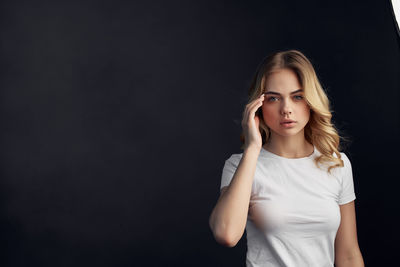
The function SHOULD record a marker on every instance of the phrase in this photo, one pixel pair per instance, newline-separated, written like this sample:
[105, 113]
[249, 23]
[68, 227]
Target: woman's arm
[347, 251]
[228, 218]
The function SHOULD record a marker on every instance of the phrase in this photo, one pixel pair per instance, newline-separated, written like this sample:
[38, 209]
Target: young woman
[291, 188]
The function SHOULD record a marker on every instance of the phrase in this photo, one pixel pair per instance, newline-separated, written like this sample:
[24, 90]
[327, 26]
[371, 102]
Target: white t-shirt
[294, 210]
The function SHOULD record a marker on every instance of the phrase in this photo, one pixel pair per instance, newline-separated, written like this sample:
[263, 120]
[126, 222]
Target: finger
[257, 120]
[255, 102]
[249, 109]
[255, 106]
[261, 97]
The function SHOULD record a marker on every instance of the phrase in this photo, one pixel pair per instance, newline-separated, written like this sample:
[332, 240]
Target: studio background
[117, 117]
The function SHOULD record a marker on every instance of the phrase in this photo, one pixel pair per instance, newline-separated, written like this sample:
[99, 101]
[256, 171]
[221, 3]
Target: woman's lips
[288, 124]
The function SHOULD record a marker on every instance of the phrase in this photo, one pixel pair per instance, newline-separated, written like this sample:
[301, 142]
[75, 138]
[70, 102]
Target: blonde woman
[291, 188]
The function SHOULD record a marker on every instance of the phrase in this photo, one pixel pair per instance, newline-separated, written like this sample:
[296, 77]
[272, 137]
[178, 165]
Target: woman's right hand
[251, 122]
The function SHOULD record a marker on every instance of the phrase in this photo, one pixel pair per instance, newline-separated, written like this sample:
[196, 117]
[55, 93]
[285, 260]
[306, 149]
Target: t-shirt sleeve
[229, 169]
[347, 193]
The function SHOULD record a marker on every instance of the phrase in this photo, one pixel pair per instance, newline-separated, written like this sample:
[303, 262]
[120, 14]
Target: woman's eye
[272, 98]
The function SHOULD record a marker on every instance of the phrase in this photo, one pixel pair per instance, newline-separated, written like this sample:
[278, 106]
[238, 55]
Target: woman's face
[284, 100]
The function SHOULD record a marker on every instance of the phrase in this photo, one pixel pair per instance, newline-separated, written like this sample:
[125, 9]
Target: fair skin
[347, 251]
[283, 103]
[282, 100]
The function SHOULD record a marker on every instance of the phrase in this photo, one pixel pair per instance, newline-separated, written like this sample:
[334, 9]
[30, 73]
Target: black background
[117, 117]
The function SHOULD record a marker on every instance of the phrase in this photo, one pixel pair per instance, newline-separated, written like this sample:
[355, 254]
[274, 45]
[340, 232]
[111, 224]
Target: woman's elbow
[221, 236]
[225, 240]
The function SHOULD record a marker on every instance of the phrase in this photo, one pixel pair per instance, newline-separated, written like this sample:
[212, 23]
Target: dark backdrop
[117, 117]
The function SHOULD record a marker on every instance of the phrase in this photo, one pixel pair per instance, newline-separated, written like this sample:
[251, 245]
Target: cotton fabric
[294, 209]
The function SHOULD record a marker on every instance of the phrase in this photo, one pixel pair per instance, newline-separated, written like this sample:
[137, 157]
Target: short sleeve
[347, 193]
[229, 169]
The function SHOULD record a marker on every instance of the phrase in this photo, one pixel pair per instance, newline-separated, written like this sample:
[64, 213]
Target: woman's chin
[286, 132]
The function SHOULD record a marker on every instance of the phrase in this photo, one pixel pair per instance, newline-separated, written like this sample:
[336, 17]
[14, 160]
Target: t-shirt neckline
[266, 152]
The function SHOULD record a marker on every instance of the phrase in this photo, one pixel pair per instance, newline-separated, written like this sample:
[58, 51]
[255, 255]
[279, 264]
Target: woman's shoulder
[344, 157]
[340, 170]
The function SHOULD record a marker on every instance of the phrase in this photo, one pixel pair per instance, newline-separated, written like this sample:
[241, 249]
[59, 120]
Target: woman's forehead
[272, 92]
[282, 80]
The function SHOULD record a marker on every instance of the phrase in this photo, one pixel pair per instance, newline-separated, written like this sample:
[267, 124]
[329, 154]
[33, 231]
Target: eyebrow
[275, 93]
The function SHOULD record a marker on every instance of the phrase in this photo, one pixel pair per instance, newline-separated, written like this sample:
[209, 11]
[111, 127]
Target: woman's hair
[319, 130]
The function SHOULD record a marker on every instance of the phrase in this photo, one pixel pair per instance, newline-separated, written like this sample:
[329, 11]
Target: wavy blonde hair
[319, 130]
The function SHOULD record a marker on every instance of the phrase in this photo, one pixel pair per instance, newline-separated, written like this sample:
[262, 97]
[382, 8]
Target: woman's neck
[289, 147]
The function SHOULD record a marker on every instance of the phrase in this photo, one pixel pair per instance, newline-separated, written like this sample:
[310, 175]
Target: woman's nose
[286, 108]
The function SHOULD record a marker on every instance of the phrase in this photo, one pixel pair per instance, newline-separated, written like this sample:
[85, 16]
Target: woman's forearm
[229, 216]
[356, 261]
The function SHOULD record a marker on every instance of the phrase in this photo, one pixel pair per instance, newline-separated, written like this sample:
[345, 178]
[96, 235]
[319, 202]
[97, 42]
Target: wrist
[252, 149]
